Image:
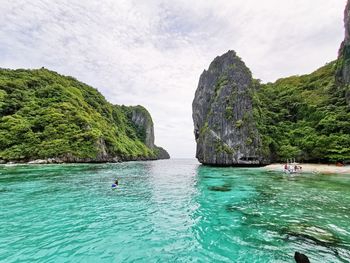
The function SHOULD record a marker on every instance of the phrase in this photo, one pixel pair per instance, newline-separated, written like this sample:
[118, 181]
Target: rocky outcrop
[224, 126]
[142, 120]
[346, 41]
[161, 153]
[343, 74]
[144, 125]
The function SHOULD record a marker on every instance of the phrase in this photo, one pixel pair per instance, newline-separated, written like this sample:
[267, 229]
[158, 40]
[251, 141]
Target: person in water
[116, 183]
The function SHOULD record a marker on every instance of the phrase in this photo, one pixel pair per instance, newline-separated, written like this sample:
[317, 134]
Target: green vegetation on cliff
[304, 117]
[44, 114]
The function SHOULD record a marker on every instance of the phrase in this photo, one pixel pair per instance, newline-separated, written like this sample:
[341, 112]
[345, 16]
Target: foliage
[221, 147]
[239, 124]
[44, 114]
[305, 117]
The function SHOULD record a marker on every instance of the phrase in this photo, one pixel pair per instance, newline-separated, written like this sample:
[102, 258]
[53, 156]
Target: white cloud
[152, 52]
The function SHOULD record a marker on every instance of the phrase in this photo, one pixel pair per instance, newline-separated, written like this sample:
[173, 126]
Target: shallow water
[170, 211]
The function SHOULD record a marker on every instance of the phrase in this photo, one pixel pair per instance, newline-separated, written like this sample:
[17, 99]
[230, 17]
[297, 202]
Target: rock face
[142, 120]
[343, 74]
[162, 153]
[347, 24]
[224, 126]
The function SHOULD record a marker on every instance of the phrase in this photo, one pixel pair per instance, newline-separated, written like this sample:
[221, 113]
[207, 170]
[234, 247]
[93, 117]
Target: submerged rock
[223, 188]
[321, 237]
[301, 258]
[224, 127]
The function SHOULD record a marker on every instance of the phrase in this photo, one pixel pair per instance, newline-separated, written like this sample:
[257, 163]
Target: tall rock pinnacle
[224, 127]
[343, 73]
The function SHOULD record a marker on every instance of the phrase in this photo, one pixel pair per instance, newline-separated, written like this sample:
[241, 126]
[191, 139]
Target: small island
[50, 118]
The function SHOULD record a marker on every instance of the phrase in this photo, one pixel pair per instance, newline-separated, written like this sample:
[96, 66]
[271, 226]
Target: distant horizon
[152, 53]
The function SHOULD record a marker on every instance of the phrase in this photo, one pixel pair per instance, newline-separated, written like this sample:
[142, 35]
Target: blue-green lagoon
[170, 211]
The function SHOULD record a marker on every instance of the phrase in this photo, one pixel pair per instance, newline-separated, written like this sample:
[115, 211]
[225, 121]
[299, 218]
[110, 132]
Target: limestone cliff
[142, 120]
[143, 123]
[225, 130]
[343, 73]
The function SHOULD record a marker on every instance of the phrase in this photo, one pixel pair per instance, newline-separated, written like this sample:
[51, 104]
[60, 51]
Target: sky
[152, 52]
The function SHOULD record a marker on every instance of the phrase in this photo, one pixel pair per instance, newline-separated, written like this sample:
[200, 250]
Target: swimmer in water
[116, 183]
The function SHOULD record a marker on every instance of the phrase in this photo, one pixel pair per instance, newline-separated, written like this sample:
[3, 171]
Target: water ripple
[170, 211]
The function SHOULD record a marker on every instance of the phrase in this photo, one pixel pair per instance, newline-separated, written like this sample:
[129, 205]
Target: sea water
[170, 211]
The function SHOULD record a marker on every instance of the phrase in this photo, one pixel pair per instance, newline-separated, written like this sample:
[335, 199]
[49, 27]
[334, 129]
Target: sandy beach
[314, 168]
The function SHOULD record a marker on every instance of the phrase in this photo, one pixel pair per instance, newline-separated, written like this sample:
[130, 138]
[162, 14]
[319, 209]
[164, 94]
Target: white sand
[313, 168]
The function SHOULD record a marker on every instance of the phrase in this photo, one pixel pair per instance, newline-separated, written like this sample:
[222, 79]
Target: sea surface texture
[170, 211]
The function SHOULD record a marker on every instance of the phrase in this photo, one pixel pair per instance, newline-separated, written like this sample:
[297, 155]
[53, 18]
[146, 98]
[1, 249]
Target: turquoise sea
[170, 211]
